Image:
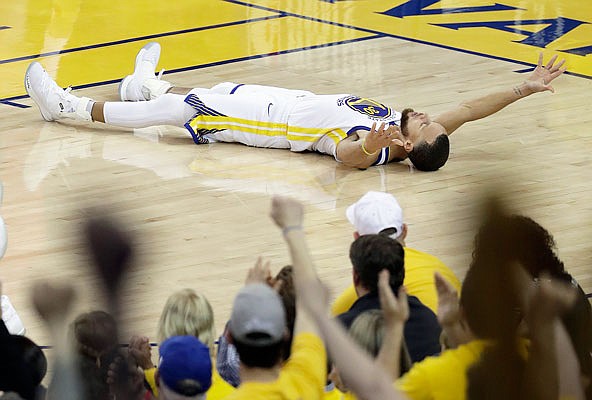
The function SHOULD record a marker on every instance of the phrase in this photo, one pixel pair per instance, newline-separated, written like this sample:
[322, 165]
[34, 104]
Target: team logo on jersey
[368, 107]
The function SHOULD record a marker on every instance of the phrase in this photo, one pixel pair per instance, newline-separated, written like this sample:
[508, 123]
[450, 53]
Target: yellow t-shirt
[219, 389]
[419, 281]
[443, 377]
[301, 377]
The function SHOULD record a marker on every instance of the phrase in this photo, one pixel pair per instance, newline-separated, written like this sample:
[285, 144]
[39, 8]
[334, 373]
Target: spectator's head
[425, 141]
[370, 254]
[377, 212]
[531, 245]
[258, 326]
[95, 335]
[367, 330]
[185, 369]
[187, 313]
[31, 365]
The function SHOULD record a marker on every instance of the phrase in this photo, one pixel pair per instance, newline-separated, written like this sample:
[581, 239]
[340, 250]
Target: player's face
[418, 127]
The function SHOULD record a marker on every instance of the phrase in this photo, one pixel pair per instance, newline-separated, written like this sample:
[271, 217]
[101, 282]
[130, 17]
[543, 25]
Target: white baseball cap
[375, 212]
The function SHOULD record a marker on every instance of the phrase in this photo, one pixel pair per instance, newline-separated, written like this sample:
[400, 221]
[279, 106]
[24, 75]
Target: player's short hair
[430, 156]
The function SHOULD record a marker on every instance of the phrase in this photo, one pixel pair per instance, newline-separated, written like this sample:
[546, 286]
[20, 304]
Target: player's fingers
[373, 127]
[551, 62]
[540, 63]
[558, 66]
[557, 73]
[381, 128]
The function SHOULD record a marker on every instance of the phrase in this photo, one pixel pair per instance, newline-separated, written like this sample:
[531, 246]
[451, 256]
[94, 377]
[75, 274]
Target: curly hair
[530, 244]
[430, 157]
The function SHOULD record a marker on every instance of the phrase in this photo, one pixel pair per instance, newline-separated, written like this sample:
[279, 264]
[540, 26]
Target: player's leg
[143, 84]
[56, 103]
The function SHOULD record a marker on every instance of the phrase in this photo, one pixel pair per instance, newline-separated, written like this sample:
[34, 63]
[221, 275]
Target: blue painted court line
[11, 103]
[137, 39]
[395, 36]
[10, 100]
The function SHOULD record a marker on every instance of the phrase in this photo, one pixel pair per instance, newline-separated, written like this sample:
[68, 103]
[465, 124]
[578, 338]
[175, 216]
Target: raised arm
[288, 215]
[362, 149]
[396, 313]
[364, 378]
[538, 81]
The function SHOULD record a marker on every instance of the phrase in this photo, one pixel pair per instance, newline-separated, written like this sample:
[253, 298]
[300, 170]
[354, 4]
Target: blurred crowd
[518, 326]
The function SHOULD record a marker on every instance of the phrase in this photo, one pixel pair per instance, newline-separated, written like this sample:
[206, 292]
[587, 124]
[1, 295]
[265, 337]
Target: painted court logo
[367, 107]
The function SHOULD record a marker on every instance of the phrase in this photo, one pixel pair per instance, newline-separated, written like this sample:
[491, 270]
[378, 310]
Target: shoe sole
[125, 81]
[31, 91]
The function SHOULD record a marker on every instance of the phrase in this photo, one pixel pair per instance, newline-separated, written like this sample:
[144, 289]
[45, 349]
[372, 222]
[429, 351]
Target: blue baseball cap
[185, 367]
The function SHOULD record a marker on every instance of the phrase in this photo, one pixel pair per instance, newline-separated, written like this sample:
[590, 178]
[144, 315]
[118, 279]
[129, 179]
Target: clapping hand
[448, 308]
[396, 310]
[260, 273]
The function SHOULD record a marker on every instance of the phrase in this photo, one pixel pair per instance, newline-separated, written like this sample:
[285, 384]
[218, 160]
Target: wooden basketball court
[201, 212]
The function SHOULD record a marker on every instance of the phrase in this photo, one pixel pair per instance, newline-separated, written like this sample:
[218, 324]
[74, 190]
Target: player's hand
[395, 310]
[448, 308]
[542, 76]
[286, 212]
[260, 273]
[381, 137]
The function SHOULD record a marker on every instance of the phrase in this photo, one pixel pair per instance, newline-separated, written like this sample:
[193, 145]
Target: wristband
[366, 151]
[287, 229]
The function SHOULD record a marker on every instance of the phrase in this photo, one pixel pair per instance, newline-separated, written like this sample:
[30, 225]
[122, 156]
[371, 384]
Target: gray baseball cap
[258, 317]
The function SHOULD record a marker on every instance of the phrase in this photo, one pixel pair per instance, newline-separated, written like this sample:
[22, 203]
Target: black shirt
[421, 332]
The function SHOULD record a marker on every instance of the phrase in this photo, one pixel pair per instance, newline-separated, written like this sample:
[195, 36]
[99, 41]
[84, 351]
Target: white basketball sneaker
[11, 319]
[143, 84]
[53, 101]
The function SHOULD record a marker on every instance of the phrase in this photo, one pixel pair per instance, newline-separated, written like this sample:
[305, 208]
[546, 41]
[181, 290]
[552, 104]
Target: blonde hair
[188, 313]
[367, 330]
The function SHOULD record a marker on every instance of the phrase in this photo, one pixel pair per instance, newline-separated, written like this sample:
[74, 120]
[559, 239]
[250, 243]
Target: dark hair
[489, 302]
[498, 374]
[287, 293]
[370, 254]
[430, 156]
[24, 368]
[33, 357]
[260, 356]
[96, 340]
[95, 333]
[531, 245]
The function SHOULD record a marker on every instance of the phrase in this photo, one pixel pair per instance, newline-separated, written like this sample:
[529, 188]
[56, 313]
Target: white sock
[168, 109]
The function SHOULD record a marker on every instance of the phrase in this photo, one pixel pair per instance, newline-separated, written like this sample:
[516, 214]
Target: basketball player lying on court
[356, 131]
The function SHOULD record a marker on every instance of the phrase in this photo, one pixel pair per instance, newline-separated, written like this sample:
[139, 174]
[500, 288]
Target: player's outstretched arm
[362, 149]
[539, 81]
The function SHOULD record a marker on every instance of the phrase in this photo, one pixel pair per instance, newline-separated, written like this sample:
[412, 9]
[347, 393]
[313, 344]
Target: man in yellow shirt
[379, 212]
[258, 330]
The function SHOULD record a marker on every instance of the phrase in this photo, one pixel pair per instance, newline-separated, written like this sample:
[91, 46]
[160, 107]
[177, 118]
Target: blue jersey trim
[383, 157]
[236, 87]
[357, 128]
